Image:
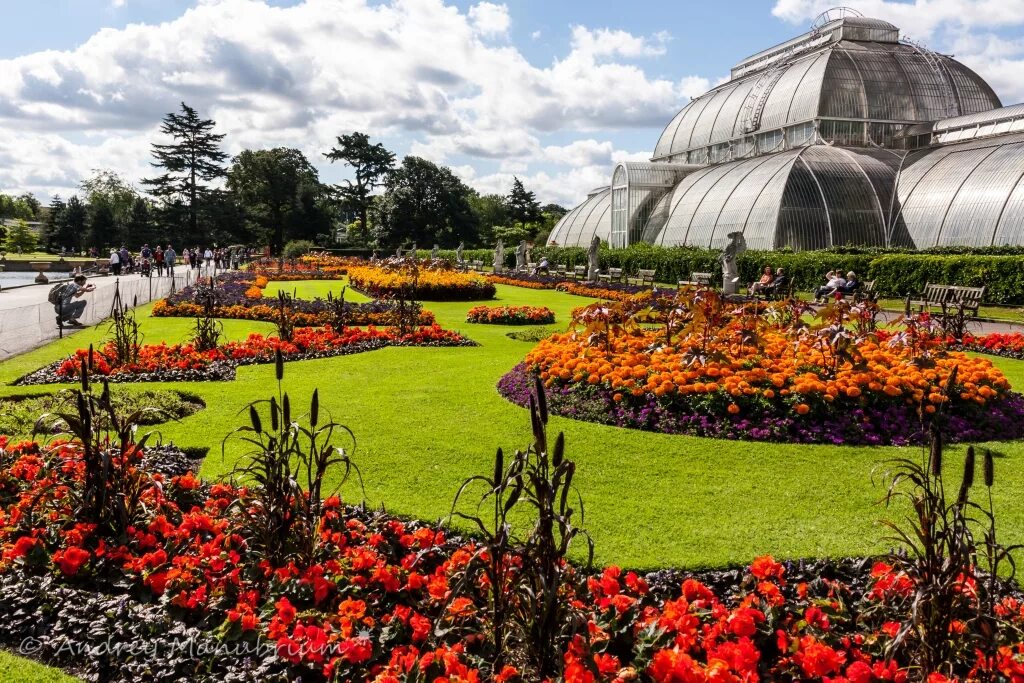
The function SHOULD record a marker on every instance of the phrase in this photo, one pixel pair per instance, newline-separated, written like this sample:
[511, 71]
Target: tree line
[198, 195]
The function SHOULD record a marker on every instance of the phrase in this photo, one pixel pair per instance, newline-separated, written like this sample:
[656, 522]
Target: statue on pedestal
[458, 254]
[398, 252]
[434, 252]
[593, 266]
[521, 255]
[499, 257]
[412, 252]
[730, 272]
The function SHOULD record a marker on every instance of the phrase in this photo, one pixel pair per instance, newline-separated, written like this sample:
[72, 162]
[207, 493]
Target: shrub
[297, 248]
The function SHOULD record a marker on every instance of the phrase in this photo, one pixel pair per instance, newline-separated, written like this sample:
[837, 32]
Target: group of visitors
[835, 283]
[771, 282]
[164, 259]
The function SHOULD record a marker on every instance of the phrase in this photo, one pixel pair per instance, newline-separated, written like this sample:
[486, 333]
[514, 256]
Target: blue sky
[553, 91]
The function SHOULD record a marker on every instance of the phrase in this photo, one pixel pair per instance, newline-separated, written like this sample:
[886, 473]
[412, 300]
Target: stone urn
[40, 267]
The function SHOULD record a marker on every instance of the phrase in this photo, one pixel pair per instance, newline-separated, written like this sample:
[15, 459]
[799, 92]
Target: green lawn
[315, 289]
[15, 669]
[427, 418]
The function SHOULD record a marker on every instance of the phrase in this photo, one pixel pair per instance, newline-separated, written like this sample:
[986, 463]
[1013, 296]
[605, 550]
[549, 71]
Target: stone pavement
[28, 320]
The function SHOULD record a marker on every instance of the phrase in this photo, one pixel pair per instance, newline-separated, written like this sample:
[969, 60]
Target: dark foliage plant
[954, 577]
[113, 490]
[208, 330]
[124, 329]
[288, 461]
[528, 576]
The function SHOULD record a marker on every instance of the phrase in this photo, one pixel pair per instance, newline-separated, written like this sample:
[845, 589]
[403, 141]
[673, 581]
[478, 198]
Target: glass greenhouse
[846, 135]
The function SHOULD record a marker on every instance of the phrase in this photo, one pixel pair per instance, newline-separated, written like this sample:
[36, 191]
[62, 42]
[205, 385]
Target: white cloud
[419, 71]
[920, 18]
[490, 19]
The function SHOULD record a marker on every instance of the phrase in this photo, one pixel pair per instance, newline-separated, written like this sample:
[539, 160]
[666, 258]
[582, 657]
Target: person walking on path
[67, 309]
[115, 262]
[158, 258]
[169, 257]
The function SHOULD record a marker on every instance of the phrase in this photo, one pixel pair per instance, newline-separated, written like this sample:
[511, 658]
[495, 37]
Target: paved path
[28, 320]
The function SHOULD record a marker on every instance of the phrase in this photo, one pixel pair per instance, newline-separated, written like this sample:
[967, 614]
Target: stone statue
[499, 257]
[730, 273]
[412, 252]
[398, 252]
[434, 252]
[373, 257]
[593, 266]
[458, 254]
[521, 255]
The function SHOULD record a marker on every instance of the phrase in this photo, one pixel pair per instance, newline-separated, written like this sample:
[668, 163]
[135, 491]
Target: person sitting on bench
[835, 281]
[542, 266]
[777, 284]
[852, 284]
[766, 279]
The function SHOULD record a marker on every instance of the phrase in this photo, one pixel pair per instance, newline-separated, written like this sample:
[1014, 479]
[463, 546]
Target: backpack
[54, 296]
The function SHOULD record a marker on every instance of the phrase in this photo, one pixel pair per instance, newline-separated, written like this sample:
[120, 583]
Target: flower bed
[524, 280]
[239, 296]
[183, 362]
[608, 291]
[430, 284]
[308, 267]
[712, 371]
[511, 315]
[997, 344]
[614, 291]
[382, 600]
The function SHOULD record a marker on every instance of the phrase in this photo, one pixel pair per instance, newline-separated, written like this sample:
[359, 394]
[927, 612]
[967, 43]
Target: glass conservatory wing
[778, 105]
[736, 213]
[975, 209]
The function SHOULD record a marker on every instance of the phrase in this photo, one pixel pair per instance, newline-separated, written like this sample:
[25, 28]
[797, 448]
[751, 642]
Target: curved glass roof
[808, 198]
[875, 81]
[578, 227]
[968, 193]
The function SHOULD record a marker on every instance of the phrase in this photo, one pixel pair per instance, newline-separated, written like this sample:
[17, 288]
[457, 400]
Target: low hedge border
[897, 273]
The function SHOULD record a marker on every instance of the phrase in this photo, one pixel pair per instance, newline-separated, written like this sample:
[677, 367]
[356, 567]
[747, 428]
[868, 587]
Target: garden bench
[967, 297]
[697, 279]
[644, 278]
[476, 265]
[933, 296]
[579, 273]
[612, 275]
[560, 271]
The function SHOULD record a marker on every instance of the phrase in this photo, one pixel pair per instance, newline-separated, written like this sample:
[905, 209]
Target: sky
[554, 91]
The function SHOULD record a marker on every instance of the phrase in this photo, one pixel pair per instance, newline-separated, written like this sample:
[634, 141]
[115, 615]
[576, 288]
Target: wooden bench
[696, 280]
[611, 275]
[967, 297]
[476, 265]
[579, 273]
[560, 271]
[644, 278]
[933, 296]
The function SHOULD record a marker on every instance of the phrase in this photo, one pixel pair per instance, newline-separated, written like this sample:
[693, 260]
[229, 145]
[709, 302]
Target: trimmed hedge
[902, 274]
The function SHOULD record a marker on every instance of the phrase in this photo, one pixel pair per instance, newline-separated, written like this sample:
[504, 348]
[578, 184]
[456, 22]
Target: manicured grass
[427, 418]
[15, 669]
[312, 289]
